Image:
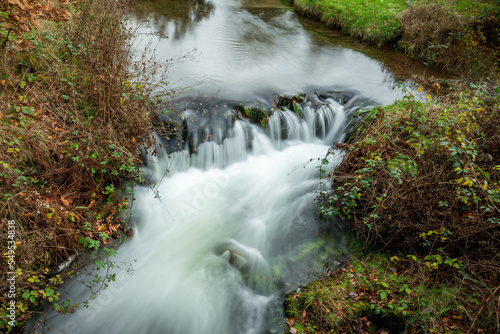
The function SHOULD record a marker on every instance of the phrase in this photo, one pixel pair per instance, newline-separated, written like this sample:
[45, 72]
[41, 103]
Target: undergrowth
[382, 293]
[460, 36]
[73, 113]
[422, 179]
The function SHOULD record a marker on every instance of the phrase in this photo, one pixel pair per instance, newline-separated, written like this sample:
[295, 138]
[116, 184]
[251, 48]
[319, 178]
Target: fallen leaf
[65, 202]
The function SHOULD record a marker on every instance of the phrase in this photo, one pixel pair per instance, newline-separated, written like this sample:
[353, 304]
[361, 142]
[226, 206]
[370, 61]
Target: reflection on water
[244, 49]
[400, 65]
[181, 15]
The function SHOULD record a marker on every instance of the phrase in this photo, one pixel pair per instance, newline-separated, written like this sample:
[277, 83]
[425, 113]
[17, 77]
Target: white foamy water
[209, 237]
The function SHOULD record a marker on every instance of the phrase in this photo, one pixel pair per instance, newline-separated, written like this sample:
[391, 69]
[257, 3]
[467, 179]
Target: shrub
[423, 179]
[73, 113]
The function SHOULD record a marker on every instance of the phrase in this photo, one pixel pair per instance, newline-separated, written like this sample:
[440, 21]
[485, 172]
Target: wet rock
[249, 136]
[340, 97]
[288, 102]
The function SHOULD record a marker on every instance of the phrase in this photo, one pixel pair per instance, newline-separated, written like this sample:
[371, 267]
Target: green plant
[423, 178]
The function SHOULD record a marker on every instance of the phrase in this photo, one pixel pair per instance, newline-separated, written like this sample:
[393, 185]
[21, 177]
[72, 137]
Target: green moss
[376, 292]
[255, 114]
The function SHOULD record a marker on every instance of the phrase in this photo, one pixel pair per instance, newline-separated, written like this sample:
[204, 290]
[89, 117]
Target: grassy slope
[377, 292]
[370, 20]
[459, 35]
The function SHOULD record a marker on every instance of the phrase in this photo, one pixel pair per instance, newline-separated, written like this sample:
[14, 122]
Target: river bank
[419, 184]
[73, 115]
[459, 36]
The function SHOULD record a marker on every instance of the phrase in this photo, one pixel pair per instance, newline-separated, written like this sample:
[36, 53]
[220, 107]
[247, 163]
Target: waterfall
[216, 230]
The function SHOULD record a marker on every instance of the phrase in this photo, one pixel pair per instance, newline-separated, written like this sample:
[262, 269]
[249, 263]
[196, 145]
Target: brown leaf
[65, 202]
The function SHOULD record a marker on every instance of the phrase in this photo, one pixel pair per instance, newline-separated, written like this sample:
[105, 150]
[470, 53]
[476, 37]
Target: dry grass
[441, 36]
[73, 114]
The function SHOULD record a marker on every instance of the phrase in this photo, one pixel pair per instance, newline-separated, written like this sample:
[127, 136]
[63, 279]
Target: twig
[481, 309]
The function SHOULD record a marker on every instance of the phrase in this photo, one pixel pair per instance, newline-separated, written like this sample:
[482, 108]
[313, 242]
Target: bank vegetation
[419, 184]
[74, 111]
[461, 36]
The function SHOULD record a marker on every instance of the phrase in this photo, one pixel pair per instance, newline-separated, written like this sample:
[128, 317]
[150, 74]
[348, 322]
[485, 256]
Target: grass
[380, 292]
[370, 20]
[469, 9]
[461, 36]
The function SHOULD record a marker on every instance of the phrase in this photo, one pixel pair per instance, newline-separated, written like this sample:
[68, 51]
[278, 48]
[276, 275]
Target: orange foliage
[22, 15]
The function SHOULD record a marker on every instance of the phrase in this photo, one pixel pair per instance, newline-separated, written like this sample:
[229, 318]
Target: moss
[375, 292]
[255, 114]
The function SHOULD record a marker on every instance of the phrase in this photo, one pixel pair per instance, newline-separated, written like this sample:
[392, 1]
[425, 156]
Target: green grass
[461, 35]
[377, 20]
[371, 20]
[468, 8]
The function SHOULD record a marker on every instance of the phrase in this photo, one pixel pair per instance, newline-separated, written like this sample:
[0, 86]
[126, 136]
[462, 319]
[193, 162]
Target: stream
[228, 222]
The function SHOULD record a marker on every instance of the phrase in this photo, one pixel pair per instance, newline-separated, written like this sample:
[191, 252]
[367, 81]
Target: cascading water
[214, 239]
[228, 221]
